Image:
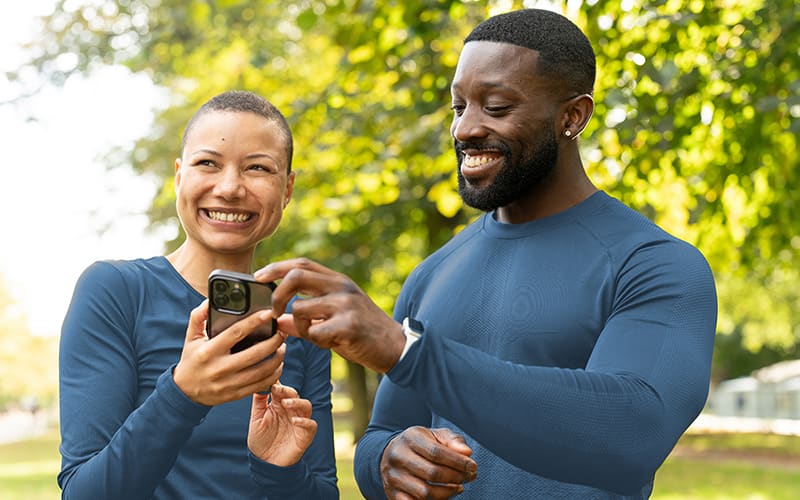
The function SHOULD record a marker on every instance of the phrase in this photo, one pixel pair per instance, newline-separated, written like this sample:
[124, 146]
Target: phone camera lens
[220, 286]
[221, 300]
[237, 295]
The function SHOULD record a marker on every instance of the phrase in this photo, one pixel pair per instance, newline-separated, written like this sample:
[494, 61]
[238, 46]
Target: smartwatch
[411, 329]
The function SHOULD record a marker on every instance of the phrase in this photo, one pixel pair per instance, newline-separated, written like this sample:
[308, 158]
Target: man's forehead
[498, 55]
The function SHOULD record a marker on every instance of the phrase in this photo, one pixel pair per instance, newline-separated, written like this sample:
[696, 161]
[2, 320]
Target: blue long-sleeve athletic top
[571, 351]
[127, 430]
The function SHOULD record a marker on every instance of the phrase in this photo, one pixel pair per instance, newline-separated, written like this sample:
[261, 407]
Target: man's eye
[457, 108]
[206, 163]
[496, 109]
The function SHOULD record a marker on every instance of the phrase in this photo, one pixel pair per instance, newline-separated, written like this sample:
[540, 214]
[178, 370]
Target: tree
[695, 125]
[27, 363]
[698, 129]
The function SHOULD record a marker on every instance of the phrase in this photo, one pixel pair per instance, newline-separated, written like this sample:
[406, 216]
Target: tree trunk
[362, 399]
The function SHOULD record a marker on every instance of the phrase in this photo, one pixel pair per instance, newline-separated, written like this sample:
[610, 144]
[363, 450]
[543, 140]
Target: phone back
[234, 296]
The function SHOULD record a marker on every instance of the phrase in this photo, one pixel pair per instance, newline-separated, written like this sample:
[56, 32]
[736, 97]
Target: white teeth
[475, 161]
[228, 216]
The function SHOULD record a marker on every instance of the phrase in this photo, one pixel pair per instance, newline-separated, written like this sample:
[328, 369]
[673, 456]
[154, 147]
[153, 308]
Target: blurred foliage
[27, 362]
[696, 123]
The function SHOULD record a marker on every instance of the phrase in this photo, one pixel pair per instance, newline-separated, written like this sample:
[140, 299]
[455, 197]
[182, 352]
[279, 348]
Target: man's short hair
[565, 53]
[246, 102]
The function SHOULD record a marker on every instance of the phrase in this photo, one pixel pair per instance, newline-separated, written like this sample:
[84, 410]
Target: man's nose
[469, 125]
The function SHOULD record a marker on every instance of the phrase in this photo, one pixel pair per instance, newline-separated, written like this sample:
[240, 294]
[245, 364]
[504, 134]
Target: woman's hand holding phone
[208, 373]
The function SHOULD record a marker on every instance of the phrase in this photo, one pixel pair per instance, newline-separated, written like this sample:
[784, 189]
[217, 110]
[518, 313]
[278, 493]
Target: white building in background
[772, 392]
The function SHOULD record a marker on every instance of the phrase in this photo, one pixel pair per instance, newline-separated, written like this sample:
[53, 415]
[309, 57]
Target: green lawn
[28, 468]
[720, 467]
[731, 466]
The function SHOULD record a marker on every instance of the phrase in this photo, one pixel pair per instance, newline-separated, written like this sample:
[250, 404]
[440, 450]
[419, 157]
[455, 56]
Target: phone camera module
[229, 295]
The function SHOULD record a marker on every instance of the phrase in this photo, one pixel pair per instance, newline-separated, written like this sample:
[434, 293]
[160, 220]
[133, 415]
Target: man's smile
[479, 159]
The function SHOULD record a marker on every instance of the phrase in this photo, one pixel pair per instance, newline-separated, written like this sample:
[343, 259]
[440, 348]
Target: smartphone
[233, 296]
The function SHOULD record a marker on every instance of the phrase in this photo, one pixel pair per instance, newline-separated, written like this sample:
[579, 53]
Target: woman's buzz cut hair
[243, 101]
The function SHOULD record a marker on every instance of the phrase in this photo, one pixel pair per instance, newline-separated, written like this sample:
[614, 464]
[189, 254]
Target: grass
[731, 466]
[704, 467]
[692, 479]
[28, 468]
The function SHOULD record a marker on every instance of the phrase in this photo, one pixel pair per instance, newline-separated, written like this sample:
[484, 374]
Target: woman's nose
[231, 184]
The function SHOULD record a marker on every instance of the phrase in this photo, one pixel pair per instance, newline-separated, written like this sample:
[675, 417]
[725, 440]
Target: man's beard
[512, 181]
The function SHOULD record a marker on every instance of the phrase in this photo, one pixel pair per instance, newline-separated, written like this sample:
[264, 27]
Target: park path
[707, 422]
[16, 425]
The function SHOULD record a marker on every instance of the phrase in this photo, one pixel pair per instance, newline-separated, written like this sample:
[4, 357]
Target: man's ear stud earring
[568, 133]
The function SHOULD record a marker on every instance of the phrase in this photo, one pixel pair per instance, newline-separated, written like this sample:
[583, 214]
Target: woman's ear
[576, 114]
[287, 194]
[177, 172]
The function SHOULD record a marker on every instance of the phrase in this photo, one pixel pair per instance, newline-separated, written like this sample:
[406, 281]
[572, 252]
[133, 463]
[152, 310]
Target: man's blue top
[571, 351]
[128, 431]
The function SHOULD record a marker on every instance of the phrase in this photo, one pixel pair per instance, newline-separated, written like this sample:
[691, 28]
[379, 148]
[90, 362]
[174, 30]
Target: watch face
[410, 328]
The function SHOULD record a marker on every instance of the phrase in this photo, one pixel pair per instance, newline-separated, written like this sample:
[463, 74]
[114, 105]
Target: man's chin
[476, 198]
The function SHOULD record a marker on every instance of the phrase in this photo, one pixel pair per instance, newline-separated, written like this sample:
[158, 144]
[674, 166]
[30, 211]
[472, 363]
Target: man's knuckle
[304, 262]
[294, 274]
[434, 451]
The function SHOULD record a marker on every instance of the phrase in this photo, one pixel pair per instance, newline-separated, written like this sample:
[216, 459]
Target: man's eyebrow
[489, 85]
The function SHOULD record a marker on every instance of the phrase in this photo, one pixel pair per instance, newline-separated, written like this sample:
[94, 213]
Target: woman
[152, 408]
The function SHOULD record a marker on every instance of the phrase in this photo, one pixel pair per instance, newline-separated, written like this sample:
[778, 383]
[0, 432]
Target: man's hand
[426, 463]
[333, 313]
[209, 374]
[281, 428]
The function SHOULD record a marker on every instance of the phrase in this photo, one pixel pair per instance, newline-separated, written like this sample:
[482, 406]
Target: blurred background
[696, 126]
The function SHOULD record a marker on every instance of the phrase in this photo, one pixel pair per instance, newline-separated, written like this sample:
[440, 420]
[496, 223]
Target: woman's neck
[194, 265]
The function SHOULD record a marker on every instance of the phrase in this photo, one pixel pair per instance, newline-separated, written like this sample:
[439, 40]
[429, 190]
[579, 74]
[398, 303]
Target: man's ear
[576, 114]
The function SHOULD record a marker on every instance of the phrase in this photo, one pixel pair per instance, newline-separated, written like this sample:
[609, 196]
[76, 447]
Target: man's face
[503, 124]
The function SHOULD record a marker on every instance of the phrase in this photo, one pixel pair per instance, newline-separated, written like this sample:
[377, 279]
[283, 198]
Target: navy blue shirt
[128, 431]
[571, 351]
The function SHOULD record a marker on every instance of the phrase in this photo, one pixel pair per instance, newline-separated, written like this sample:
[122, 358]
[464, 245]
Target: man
[555, 348]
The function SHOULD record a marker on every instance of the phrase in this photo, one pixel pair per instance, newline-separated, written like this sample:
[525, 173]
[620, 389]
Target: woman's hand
[281, 428]
[208, 373]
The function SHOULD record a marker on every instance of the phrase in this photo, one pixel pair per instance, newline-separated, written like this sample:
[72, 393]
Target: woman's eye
[261, 168]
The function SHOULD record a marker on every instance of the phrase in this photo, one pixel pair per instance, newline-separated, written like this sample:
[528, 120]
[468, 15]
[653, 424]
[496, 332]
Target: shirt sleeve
[608, 426]
[395, 409]
[103, 434]
[314, 476]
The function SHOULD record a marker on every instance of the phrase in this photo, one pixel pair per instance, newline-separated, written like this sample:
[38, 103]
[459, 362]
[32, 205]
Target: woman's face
[231, 181]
